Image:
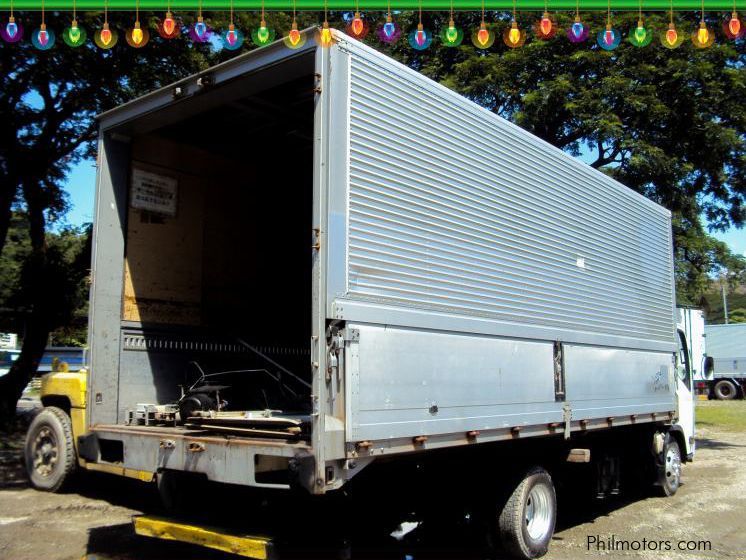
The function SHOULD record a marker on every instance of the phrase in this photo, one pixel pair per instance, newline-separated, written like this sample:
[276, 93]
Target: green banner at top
[379, 5]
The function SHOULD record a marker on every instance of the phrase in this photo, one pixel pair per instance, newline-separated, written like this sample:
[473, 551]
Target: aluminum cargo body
[726, 345]
[462, 281]
[464, 247]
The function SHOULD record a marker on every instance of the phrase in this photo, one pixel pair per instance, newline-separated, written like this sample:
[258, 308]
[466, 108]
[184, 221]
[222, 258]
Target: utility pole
[725, 298]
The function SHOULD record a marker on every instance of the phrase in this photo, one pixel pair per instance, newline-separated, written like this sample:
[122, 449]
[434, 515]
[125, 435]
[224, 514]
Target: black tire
[669, 467]
[725, 390]
[194, 403]
[526, 522]
[50, 450]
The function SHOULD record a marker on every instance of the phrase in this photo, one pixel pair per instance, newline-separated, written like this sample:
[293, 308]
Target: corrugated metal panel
[454, 209]
[726, 341]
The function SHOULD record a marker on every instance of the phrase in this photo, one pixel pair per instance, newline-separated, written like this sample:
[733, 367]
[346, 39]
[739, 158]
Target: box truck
[726, 361]
[313, 264]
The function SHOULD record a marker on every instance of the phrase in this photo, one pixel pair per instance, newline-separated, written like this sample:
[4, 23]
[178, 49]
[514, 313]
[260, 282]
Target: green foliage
[66, 281]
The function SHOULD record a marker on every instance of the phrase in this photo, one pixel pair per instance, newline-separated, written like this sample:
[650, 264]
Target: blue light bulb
[388, 28]
[577, 29]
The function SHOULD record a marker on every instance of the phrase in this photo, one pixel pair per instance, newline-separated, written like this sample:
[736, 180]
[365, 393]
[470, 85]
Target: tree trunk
[40, 322]
[7, 195]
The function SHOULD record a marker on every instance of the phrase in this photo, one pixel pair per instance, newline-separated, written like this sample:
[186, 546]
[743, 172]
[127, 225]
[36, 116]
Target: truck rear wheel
[526, 522]
[725, 390]
[50, 450]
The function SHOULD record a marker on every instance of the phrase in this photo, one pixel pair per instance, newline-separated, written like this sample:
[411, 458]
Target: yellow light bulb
[702, 33]
[326, 35]
[514, 35]
[137, 34]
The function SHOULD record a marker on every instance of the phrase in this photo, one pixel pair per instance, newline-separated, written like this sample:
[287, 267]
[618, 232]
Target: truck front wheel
[50, 450]
[526, 522]
[669, 469]
[725, 390]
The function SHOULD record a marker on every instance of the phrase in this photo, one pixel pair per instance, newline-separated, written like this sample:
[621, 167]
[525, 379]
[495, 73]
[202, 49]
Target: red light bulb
[169, 24]
[546, 24]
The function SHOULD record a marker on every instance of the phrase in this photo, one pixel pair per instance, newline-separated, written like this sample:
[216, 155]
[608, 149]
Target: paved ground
[93, 522]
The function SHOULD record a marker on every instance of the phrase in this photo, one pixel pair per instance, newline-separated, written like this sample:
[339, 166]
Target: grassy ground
[726, 415]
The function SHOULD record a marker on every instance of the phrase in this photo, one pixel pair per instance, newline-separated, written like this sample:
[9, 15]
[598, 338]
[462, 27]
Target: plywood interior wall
[175, 267]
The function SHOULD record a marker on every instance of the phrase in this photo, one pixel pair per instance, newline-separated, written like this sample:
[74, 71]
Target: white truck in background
[725, 361]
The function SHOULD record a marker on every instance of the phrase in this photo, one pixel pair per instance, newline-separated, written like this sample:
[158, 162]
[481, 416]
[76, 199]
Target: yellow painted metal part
[242, 545]
[144, 476]
[73, 386]
[70, 384]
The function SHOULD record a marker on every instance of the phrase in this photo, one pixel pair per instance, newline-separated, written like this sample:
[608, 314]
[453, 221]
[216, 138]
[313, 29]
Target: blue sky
[82, 181]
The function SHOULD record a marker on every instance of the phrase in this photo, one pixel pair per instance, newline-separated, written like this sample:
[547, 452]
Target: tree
[48, 101]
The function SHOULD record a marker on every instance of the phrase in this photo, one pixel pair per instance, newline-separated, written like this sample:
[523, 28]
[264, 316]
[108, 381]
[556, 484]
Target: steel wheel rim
[45, 452]
[673, 467]
[538, 515]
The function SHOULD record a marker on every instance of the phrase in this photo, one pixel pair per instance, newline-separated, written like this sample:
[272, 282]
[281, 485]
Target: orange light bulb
[106, 34]
[294, 35]
[734, 25]
[546, 24]
[672, 36]
[357, 24]
[483, 36]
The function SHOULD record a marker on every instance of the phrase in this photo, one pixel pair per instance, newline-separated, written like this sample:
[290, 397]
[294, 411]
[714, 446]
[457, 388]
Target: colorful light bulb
[420, 38]
[74, 36]
[640, 32]
[324, 36]
[200, 29]
[389, 32]
[672, 36]
[357, 25]
[294, 39]
[451, 32]
[703, 33]
[703, 37]
[169, 25]
[43, 38]
[74, 32]
[137, 35]
[294, 35]
[389, 28]
[11, 29]
[483, 36]
[546, 24]
[106, 34]
[231, 36]
[451, 35]
[263, 32]
[734, 25]
[578, 32]
[609, 38]
[514, 35]
[419, 35]
[733, 28]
